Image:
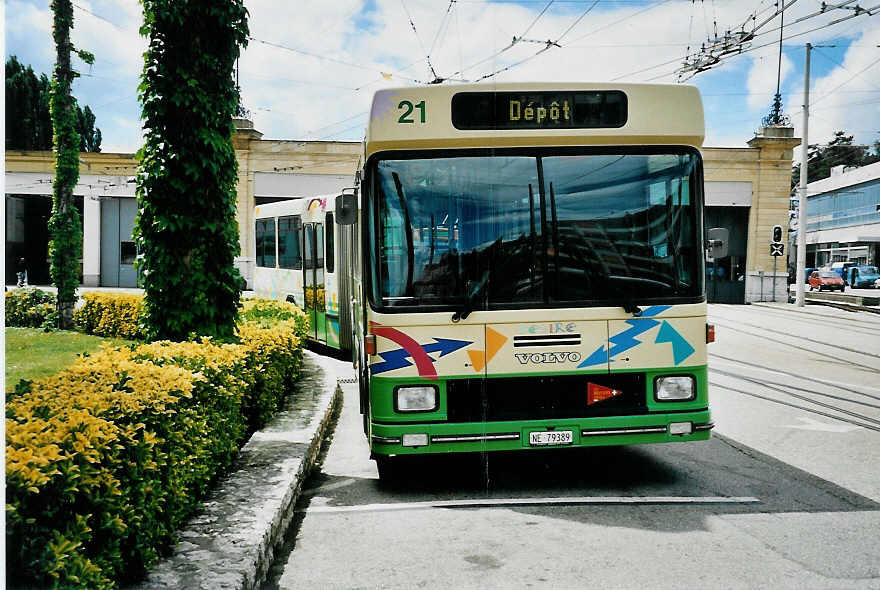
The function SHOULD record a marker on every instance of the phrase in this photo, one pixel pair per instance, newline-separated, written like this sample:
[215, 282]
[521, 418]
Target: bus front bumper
[415, 438]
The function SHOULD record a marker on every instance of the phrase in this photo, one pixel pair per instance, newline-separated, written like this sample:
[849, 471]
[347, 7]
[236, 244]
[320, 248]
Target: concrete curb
[230, 543]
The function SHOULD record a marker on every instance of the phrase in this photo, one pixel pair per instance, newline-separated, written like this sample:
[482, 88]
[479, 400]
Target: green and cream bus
[528, 268]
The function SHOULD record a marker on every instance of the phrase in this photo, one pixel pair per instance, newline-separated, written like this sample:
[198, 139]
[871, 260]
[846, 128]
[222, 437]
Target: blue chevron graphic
[681, 348]
[626, 339]
[397, 359]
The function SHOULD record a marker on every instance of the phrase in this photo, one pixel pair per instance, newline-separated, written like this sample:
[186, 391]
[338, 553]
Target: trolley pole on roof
[802, 190]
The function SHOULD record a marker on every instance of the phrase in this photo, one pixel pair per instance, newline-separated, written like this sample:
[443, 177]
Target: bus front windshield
[541, 229]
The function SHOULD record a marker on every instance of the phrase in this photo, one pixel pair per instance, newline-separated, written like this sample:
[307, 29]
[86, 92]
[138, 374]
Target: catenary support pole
[802, 190]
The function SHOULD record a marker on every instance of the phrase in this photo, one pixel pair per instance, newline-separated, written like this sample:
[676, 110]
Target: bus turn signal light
[710, 333]
[370, 344]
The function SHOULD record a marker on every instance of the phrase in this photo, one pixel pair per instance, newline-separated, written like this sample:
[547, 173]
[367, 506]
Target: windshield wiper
[468, 306]
[627, 303]
[629, 306]
[410, 249]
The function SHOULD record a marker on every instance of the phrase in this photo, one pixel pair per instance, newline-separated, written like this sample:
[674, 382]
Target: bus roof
[306, 206]
[654, 114]
[289, 206]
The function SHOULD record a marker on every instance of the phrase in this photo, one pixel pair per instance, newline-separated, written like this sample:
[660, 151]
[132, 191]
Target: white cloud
[761, 83]
[28, 27]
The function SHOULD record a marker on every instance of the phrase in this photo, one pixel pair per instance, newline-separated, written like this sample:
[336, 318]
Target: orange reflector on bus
[710, 333]
[370, 344]
[599, 393]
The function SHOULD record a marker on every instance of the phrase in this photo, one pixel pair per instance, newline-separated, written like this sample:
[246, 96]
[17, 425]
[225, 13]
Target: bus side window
[328, 250]
[289, 255]
[319, 245]
[265, 238]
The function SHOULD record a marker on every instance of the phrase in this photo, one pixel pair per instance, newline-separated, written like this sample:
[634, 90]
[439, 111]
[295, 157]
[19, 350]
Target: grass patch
[32, 353]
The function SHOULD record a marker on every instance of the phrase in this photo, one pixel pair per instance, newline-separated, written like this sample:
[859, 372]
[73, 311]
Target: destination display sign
[539, 110]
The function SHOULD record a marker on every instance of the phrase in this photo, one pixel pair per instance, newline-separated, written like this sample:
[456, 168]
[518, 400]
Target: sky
[310, 68]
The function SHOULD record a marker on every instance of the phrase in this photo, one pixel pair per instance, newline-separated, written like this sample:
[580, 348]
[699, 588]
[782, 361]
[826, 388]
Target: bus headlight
[678, 388]
[420, 398]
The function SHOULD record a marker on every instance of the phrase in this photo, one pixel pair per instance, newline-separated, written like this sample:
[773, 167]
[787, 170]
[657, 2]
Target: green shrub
[30, 308]
[106, 459]
[113, 315]
[266, 312]
[272, 364]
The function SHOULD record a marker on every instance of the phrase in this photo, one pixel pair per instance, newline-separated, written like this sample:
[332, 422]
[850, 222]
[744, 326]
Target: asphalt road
[786, 495]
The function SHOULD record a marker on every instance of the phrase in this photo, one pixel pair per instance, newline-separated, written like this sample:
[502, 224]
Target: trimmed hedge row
[112, 315]
[30, 308]
[106, 459]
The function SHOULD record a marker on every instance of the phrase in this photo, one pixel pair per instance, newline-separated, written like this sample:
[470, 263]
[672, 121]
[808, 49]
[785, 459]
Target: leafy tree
[840, 150]
[186, 231]
[89, 135]
[65, 245]
[28, 122]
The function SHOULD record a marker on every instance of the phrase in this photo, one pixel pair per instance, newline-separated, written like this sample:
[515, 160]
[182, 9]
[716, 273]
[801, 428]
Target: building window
[127, 253]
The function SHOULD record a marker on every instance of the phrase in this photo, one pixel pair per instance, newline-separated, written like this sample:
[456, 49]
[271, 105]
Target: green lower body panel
[333, 330]
[390, 439]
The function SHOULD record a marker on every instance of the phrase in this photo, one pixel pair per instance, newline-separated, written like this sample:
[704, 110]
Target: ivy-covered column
[65, 245]
[186, 232]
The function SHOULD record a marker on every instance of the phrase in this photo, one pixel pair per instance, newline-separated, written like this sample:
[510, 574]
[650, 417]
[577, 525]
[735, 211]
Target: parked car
[841, 268]
[807, 272]
[860, 277]
[826, 279]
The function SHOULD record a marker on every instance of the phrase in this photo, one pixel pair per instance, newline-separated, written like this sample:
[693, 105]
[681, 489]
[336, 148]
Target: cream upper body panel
[421, 118]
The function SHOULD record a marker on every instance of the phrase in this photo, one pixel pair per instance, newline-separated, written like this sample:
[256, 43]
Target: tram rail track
[868, 328]
[796, 375]
[810, 400]
[787, 335]
[793, 405]
[803, 389]
[831, 358]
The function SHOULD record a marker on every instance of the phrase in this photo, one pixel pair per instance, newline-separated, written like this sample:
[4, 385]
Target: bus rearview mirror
[346, 209]
[716, 246]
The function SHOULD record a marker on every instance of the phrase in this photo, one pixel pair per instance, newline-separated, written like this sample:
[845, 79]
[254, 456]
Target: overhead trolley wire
[618, 21]
[537, 18]
[749, 49]
[547, 46]
[325, 57]
[847, 81]
[443, 22]
[419, 39]
[97, 16]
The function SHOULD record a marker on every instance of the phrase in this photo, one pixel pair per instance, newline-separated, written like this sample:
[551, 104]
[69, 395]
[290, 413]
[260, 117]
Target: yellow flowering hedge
[113, 315]
[29, 308]
[106, 459]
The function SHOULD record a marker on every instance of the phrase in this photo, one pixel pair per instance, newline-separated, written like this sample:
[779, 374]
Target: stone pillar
[770, 204]
[244, 212]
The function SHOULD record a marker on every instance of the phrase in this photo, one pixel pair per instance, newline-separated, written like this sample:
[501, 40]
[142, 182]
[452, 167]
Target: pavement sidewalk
[230, 542]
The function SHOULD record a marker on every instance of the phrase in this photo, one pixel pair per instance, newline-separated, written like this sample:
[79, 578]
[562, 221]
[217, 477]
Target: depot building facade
[747, 191]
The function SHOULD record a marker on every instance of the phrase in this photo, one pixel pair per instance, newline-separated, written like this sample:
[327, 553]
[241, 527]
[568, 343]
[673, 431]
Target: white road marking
[500, 502]
[810, 424]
